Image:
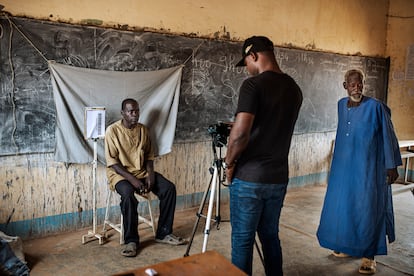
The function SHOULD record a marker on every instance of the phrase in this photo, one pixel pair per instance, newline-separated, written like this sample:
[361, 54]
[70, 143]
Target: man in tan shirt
[130, 169]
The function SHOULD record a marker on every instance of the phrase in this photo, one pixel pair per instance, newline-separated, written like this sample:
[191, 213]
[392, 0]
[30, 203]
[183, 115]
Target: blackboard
[209, 87]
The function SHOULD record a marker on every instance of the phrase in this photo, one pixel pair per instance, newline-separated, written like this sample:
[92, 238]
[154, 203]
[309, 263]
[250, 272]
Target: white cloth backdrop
[75, 88]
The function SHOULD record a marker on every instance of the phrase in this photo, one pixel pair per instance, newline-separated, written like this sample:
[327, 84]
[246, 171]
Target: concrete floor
[66, 255]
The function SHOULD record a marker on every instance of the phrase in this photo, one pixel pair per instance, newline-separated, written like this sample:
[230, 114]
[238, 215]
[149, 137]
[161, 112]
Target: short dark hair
[128, 100]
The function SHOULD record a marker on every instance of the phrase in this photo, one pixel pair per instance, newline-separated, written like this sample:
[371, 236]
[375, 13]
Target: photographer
[259, 141]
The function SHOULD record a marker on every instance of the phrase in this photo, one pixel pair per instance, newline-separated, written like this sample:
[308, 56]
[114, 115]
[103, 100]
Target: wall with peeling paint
[400, 38]
[41, 197]
[348, 27]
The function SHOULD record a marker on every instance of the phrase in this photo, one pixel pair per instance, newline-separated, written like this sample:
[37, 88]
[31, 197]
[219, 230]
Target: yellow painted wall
[34, 186]
[400, 35]
[348, 27]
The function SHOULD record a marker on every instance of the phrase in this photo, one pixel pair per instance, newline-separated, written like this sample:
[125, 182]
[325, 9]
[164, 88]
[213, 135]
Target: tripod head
[220, 132]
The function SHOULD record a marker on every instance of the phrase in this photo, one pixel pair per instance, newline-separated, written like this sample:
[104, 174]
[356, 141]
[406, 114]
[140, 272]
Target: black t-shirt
[275, 100]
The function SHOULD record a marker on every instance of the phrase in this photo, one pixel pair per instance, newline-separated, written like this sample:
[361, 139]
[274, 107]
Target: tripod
[214, 188]
[217, 178]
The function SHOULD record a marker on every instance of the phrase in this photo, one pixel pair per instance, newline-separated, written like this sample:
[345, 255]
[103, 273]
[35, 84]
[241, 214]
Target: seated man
[130, 169]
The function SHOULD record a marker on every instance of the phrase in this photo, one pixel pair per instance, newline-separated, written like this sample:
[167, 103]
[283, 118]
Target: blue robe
[357, 213]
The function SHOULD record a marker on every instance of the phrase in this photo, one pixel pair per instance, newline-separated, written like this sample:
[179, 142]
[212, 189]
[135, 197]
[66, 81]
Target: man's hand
[392, 175]
[150, 179]
[149, 184]
[138, 185]
[229, 174]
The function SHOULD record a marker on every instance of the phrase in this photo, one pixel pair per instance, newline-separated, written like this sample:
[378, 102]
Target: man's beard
[356, 98]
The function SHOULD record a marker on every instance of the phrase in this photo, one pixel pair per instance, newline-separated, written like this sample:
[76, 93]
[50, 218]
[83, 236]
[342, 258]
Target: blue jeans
[256, 207]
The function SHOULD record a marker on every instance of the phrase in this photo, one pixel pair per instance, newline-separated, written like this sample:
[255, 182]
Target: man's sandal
[130, 250]
[172, 240]
[368, 266]
[340, 254]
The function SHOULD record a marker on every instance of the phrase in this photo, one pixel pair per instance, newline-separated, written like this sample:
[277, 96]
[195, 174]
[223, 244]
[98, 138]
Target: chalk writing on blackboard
[209, 86]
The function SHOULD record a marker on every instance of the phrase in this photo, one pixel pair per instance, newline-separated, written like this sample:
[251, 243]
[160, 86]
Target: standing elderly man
[357, 214]
[257, 155]
[130, 169]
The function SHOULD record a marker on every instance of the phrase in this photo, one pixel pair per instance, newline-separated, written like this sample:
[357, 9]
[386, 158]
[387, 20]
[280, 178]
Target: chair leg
[117, 227]
[151, 216]
[407, 164]
[151, 221]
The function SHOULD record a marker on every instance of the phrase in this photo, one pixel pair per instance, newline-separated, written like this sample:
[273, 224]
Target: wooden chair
[141, 219]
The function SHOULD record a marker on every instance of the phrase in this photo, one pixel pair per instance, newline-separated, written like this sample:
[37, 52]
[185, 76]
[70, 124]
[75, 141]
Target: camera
[220, 132]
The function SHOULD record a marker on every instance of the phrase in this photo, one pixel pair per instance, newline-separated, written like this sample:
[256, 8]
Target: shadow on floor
[66, 255]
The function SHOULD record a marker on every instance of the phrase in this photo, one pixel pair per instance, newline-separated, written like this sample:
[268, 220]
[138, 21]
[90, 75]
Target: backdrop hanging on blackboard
[209, 86]
[76, 87]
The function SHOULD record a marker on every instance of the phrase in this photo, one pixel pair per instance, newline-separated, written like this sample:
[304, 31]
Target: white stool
[120, 226]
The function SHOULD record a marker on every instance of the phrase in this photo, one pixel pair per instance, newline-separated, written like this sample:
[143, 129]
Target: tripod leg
[218, 216]
[199, 215]
[210, 208]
